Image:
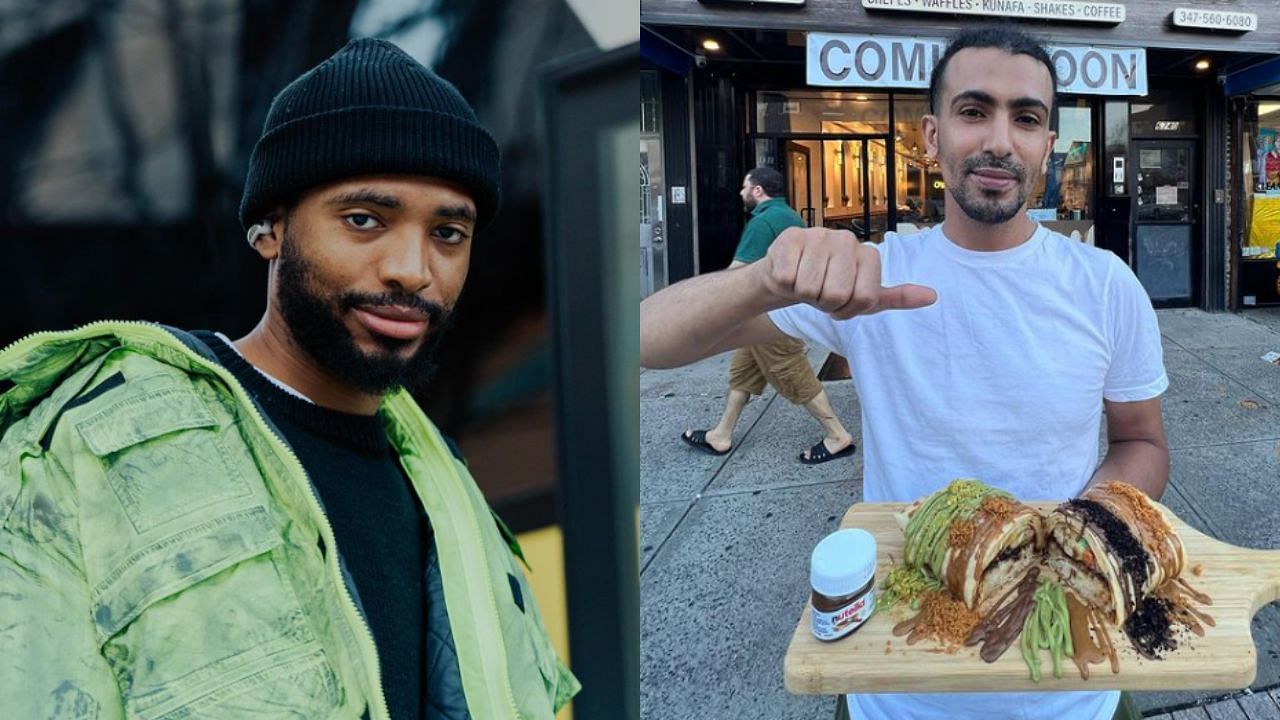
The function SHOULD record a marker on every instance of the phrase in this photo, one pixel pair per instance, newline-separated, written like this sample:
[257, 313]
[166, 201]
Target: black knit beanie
[370, 109]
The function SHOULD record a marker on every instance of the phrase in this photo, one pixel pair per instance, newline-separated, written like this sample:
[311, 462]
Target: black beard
[750, 203]
[315, 323]
[982, 206]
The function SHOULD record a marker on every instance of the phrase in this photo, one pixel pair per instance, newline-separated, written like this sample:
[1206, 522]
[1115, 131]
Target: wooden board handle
[1267, 563]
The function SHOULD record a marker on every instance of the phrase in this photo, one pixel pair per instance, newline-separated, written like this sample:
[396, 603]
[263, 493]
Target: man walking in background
[782, 364]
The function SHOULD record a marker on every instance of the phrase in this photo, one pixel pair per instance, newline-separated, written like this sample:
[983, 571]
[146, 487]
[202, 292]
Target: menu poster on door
[1266, 162]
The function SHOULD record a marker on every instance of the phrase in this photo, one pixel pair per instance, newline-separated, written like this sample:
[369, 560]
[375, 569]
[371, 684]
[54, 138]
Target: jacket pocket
[203, 624]
[165, 455]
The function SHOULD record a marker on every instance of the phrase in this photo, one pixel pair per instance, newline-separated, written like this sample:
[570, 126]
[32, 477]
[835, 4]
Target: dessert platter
[976, 591]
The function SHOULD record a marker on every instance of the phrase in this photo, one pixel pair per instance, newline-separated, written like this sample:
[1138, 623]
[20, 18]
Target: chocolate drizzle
[1120, 540]
[997, 631]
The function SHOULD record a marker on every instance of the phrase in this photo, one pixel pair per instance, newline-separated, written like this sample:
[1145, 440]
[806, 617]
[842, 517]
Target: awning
[1254, 78]
[663, 53]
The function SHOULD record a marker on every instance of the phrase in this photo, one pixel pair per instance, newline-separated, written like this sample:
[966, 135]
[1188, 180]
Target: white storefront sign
[1100, 12]
[901, 62]
[1215, 19]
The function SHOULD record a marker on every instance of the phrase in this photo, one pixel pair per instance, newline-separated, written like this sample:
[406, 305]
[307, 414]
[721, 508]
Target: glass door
[842, 190]
[856, 186]
[1166, 213]
[653, 248]
[800, 184]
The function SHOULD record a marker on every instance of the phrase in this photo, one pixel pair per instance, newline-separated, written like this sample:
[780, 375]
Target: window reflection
[918, 179]
[1063, 198]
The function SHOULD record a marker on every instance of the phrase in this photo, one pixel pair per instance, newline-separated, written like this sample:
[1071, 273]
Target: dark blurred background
[127, 128]
[125, 131]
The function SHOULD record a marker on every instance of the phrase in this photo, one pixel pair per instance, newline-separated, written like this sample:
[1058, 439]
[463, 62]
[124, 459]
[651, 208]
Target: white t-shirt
[1002, 379]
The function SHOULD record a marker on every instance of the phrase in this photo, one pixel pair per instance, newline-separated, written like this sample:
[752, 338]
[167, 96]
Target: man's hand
[711, 313]
[832, 271]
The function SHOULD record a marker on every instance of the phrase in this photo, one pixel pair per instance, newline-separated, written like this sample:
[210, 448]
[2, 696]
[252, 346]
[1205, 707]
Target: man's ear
[929, 127]
[267, 235]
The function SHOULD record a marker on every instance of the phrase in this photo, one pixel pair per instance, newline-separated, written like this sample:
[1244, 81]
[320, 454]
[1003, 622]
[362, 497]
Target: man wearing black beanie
[192, 526]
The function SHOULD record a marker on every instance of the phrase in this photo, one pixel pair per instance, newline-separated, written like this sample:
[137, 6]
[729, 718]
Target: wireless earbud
[257, 230]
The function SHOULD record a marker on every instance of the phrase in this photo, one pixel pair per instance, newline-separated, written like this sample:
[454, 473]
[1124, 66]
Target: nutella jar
[842, 572]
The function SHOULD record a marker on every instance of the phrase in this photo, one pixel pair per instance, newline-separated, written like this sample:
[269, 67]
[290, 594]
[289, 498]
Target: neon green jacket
[164, 555]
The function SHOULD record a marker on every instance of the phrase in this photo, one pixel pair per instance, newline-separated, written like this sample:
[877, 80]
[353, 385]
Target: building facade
[1167, 127]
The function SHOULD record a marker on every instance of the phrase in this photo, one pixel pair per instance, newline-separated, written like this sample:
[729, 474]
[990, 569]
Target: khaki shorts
[782, 364]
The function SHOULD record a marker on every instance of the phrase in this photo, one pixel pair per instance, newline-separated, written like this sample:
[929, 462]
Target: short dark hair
[769, 180]
[1002, 37]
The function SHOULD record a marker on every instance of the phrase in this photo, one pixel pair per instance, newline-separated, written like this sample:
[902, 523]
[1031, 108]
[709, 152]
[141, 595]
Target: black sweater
[377, 520]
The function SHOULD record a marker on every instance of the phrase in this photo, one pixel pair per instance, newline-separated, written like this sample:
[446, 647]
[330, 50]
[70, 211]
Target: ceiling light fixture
[1202, 64]
[710, 44]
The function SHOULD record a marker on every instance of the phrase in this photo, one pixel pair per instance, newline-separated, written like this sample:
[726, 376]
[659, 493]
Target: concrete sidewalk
[725, 541]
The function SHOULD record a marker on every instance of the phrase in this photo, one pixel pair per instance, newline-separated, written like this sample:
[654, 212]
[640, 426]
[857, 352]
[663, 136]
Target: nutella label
[844, 620]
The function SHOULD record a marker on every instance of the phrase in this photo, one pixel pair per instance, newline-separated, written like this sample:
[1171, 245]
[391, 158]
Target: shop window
[921, 192]
[1261, 161]
[843, 167]
[827, 112]
[1063, 199]
[878, 180]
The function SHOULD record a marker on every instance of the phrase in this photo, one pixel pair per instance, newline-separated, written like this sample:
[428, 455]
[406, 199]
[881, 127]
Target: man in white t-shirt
[1007, 340]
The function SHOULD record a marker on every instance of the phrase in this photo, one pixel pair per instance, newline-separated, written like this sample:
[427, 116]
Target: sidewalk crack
[1232, 378]
[658, 546]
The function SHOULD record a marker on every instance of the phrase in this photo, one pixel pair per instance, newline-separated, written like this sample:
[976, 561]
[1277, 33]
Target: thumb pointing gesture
[866, 296]
[906, 297]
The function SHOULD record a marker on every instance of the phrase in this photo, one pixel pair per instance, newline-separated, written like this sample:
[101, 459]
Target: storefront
[1254, 97]
[832, 96]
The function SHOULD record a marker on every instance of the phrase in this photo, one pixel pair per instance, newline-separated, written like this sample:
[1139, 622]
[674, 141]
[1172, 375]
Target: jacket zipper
[382, 712]
[474, 559]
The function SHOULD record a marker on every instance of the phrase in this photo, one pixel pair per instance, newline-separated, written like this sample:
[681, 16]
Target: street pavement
[725, 541]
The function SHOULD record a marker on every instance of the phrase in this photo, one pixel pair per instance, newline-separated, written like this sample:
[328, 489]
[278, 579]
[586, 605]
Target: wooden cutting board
[1239, 580]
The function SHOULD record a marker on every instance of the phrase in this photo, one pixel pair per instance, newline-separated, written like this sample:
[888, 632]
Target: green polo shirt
[767, 222]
